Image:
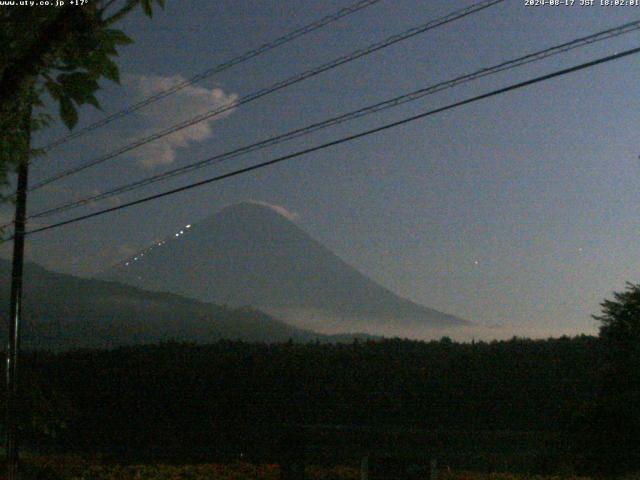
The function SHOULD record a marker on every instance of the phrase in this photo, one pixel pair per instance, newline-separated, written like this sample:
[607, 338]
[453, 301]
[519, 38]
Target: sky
[520, 210]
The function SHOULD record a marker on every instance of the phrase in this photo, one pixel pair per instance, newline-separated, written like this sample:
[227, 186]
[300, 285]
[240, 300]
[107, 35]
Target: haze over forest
[251, 254]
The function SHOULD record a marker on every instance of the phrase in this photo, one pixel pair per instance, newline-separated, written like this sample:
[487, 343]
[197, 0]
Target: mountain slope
[248, 254]
[62, 311]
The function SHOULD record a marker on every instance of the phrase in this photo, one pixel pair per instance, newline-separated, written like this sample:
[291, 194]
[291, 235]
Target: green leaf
[146, 7]
[54, 89]
[94, 62]
[110, 70]
[68, 112]
[92, 100]
[108, 46]
[78, 85]
[118, 37]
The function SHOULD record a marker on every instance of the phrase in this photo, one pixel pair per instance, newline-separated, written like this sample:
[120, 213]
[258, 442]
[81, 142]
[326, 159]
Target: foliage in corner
[620, 319]
[64, 52]
[609, 426]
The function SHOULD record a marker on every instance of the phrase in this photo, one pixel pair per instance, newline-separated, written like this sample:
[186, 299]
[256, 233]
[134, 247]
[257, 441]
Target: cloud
[178, 107]
[288, 214]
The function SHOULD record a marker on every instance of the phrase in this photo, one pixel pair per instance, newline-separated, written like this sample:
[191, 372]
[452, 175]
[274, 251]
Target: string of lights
[352, 115]
[412, 32]
[493, 93]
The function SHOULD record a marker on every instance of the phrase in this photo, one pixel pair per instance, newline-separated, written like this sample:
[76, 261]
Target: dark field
[519, 406]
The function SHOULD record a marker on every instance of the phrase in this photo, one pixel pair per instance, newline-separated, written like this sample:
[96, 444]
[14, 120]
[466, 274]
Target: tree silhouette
[611, 425]
[63, 52]
[620, 324]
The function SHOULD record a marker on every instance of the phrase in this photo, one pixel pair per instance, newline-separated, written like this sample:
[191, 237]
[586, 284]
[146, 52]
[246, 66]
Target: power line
[349, 138]
[380, 106]
[264, 48]
[273, 88]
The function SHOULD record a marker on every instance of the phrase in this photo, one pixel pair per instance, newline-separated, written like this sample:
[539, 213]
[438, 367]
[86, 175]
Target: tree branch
[130, 5]
[17, 74]
[106, 6]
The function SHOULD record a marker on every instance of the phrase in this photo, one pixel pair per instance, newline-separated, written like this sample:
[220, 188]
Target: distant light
[127, 263]
[177, 234]
[181, 232]
[188, 226]
[136, 258]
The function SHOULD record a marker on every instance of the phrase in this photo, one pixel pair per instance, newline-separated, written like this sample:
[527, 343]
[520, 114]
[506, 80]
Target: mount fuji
[251, 254]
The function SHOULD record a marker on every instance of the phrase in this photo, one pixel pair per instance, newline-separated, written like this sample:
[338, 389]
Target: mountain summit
[251, 254]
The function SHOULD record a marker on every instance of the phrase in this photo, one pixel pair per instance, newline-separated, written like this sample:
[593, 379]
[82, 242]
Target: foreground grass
[77, 468]
[80, 468]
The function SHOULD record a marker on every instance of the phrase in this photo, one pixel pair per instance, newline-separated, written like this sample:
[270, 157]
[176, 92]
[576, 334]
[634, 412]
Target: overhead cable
[339, 141]
[273, 88]
[352, 115]
[264, 48]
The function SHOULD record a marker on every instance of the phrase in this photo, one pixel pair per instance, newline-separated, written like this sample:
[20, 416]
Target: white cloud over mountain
[288, 214]
[186, 103]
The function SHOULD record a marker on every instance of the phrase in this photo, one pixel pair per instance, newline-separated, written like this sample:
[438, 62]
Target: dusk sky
[519, 210]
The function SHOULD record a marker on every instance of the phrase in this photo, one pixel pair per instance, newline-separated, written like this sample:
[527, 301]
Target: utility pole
[15, 318]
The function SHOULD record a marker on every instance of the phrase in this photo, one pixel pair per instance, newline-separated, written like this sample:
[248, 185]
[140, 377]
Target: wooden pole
[15, 318]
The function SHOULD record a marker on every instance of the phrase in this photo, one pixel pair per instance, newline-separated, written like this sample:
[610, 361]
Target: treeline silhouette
[185, 401]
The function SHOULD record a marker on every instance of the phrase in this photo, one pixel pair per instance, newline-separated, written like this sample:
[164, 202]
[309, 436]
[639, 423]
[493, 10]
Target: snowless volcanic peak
[253, 254]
